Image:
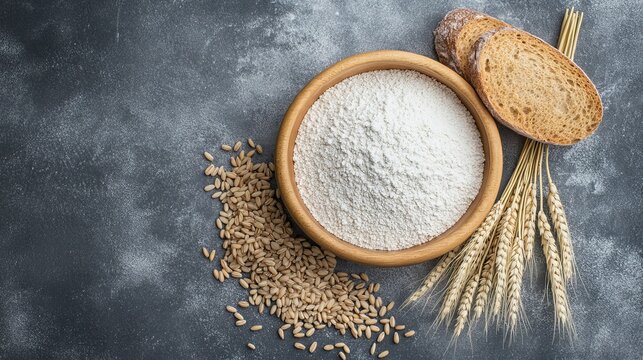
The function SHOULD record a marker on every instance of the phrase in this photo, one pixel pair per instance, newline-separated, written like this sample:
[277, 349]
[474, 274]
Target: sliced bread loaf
[457, 33]
[533, 88]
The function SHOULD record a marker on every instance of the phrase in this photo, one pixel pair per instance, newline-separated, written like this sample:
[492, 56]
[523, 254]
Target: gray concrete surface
[107, 105]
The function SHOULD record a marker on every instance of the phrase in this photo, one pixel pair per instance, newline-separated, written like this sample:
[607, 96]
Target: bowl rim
[382, 60]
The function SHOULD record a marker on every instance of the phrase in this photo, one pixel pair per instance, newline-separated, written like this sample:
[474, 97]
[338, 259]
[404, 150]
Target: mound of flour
[388, 159]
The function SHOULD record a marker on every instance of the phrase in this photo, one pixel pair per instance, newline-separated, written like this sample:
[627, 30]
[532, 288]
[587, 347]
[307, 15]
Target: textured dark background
[106, 107]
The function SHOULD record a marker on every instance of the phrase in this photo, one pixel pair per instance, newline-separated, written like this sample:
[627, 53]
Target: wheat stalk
[559, 220]
[507, 230]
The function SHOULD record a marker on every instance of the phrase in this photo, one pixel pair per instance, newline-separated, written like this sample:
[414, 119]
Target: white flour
[388, 159]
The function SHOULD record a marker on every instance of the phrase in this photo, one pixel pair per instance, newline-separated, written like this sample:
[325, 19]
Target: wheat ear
[433, 277]
[562, 232]
[516, 270]
[507, 230]
[559, 219]
[556, 280]
[465, 304]
[486, 281]
[470, 256]
[529, 225]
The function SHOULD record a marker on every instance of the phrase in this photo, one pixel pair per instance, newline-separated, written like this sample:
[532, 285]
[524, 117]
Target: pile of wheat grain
[285, 274]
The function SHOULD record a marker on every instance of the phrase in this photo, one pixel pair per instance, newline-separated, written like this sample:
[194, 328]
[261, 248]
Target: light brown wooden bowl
[382, 60]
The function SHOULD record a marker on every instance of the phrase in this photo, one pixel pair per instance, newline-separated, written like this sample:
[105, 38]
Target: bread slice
[533, 88]
[457, 33]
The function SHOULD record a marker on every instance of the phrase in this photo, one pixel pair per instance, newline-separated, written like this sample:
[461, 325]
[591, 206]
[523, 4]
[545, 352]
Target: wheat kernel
[380, 337]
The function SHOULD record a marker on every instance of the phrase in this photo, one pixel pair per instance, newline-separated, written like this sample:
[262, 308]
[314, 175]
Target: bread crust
[475, 76]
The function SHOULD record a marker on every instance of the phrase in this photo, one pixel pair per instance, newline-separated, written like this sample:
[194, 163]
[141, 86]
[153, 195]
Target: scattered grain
[259, 243]
[380, 337]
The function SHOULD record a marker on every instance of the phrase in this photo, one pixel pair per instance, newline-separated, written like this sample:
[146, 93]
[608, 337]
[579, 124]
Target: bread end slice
[444, 34]
[533, 88]
[457, 33]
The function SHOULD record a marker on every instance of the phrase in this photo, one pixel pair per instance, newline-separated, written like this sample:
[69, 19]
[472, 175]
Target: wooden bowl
[382, 60]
